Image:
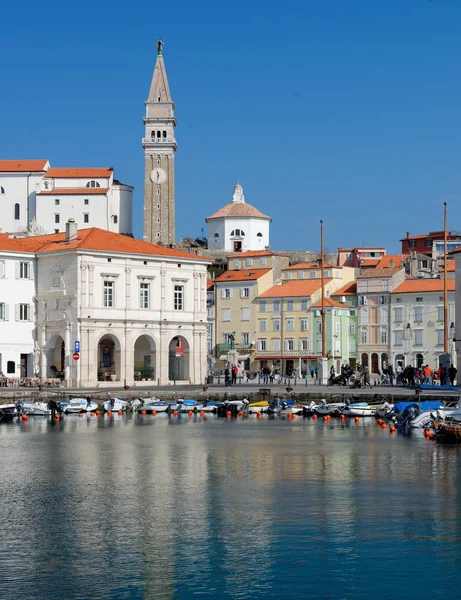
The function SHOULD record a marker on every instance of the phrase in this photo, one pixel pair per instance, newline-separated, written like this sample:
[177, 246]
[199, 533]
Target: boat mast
[445, 281]
[322, 275]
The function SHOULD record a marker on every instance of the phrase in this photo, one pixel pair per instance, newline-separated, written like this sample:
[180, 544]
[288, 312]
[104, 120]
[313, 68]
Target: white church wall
[19, 188]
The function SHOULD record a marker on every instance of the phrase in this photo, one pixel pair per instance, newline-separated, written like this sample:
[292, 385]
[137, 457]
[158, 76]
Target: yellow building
[284, 320]
[236, 311]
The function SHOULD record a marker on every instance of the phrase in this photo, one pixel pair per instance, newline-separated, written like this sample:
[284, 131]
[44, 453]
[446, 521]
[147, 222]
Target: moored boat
[35, 409]
[256, 407]
[359, 410]
[8, 412]
[115, 404]
[80, 405]
[323, 409]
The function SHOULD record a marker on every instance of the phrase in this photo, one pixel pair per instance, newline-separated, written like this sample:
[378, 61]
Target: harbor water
[179, 508]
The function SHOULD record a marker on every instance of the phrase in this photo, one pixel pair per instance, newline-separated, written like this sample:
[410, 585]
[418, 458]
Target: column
[67, 357]
[43, 357]
[163, 358]
[90, 285]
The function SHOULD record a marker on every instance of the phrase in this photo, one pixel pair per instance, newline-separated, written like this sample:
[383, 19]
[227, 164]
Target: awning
[239, 357]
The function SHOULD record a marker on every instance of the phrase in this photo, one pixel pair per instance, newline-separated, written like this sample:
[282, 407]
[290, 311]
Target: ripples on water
[159, 508]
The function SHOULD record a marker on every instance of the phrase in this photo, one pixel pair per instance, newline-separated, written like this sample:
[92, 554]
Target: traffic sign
[77, 346]
[75, 355]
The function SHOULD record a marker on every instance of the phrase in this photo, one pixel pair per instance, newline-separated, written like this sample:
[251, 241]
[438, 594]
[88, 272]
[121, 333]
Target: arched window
[159, 133]
[17, 212]
[2, 190]
[164, 134]
[115, 219]
[259, 235]
[216, 235]
[237, 233]
[92, 184]
[152, 134]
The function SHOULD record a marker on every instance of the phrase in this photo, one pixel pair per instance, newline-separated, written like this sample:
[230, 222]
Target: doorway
[24, 365]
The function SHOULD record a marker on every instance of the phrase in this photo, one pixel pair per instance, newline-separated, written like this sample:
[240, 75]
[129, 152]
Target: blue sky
[346, 110]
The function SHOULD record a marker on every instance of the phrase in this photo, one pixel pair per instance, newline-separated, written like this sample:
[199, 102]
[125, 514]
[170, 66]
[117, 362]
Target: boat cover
[401, 406]
[427, 386]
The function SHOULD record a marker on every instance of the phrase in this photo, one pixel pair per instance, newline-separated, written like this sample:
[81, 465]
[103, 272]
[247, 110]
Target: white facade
[18, 192]
[136, 315]
[417, 327]
[49, 198]
[17, 314]
[238, 226]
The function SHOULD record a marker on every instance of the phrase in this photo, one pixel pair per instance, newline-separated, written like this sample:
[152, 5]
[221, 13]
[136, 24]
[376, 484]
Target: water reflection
[135, 507]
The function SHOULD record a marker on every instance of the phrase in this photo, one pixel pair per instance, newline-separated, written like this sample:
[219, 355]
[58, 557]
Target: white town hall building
[136, 310]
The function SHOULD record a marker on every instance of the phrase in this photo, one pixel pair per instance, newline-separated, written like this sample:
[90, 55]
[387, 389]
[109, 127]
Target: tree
[32, 229]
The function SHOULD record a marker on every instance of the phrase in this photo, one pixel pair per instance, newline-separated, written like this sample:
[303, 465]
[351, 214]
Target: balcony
[284, 353]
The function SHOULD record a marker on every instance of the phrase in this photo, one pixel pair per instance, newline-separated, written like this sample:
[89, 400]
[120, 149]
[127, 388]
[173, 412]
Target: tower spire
[159, 145]
[159, 89]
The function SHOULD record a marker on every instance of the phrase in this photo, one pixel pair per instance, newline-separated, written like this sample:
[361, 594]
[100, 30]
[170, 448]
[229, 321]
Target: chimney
[408, 235]
[71, 230]
[391, 264]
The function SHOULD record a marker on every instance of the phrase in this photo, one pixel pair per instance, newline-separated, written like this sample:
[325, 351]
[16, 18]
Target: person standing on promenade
[227, 381]
[234, 374]
[390, 372]
[452, 372]
[366, 376]
[427, 372]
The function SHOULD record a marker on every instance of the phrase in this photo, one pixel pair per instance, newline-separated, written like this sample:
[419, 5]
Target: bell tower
[159, 145]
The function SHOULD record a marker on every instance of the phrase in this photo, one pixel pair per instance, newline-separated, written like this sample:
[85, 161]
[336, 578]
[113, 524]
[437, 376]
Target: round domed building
[238, 226]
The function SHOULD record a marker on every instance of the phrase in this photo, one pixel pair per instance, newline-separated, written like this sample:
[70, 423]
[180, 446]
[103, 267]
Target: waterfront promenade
[250, 388]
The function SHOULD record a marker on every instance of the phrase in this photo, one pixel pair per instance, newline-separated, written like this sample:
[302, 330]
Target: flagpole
[445, 281]
[322, 275]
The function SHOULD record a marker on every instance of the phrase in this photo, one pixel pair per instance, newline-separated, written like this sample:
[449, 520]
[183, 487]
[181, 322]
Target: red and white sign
[179, 350]
[75, 355]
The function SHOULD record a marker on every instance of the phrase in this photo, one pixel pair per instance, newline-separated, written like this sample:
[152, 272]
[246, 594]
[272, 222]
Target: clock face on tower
[158, 175]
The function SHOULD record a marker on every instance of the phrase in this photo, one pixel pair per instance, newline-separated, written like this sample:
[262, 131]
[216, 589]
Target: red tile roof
[378, 273]
[311, 265]
[85, 173]
[369, 262]
[253, 253]
[92, 239]
[423, 285]
[21, 166]
[238, 209]
[241, 275]
[350, 289]
[330, 303]
[294, 288]
[73, 191]
[398, 259]
[209, 284]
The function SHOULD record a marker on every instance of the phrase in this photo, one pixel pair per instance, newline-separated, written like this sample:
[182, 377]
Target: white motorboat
[323, 408]
[208, 407]
[8, 412]
[35, 409]
[80, 405]
[359, 410]
[384, 409]
[151, 404]
[115, 404]
[427, 417]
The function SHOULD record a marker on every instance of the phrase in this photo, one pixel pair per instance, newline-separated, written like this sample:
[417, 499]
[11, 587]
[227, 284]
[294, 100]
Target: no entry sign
[75, 355]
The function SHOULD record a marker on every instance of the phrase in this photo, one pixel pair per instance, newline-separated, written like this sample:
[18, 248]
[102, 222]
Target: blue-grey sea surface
[181, 508]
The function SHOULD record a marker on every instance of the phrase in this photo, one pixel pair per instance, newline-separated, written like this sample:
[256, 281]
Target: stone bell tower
[159, 145]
